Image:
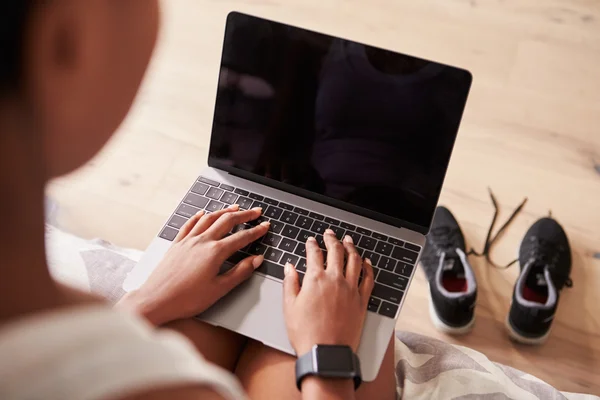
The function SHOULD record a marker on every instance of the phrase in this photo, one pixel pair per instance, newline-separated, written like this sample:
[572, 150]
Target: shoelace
[489, 240]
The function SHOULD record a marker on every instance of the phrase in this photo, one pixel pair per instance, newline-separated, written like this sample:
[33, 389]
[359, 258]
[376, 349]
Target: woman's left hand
[187, 280]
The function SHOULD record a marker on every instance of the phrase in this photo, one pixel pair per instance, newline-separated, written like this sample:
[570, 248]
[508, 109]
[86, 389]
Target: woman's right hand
[331, 306]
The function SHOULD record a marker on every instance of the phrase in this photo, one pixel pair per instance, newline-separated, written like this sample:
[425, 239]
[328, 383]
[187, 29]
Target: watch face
[336, 359]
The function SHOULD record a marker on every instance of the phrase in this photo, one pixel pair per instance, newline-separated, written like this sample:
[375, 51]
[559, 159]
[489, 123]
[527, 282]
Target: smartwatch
[328, 361]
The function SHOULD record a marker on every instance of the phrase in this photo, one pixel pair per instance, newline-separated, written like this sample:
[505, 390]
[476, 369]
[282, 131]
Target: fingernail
[348, 239]
[259, 209]
[288, 268]
[201, 212]
[329, 232]
[368, 261]
[311, 239]
[234, 206]
[266, 223]
[258, 260]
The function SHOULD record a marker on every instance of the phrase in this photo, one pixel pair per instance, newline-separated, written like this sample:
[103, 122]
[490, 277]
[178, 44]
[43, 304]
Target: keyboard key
[348, 226]
[168, 233]
[300, 278]
[412, 247]
[256, 249]
[393, 280]
[374, 304]
[260, 204]
[367, 243]
[304, 222]
[396, 242]
[373, 257]
[274, 212]
[209, 181]
[321, 242]
[287, 245]
[177, 222]
[270, 269]
[286, 206]
[241, 192]
[227, 187]
[187, 211]
[244, 202]
[196, 200]
[304, 235]
[339, 232]
[319, 227]
[289, 217]
[214, 193]
[271, 201]
[301, 266]
[387, 263]
[384, 248]
[214, 206]
[388, 310]
[379, 236]
[236, 257]
[229, 198]
[363, 231]
[255, 196]
[272, 239]
[258, 221]
[199, 188]
[332, 221]
[301, 211]
[273, 254]
[290, 258]
[290, 231]
[355, 236]
[404, 269]
[300, 250]
[387, 293]
[405, 255]
[239, 228]
[316, 216]
[276, 226]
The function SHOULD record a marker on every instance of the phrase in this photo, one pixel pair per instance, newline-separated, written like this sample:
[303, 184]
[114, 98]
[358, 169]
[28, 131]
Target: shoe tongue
[453, 265]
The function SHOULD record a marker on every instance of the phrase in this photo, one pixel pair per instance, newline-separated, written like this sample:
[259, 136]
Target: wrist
[144, 306]
[315, 387]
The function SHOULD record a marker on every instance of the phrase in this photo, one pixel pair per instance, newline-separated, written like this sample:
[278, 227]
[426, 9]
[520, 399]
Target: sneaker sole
[517, 337]
[450, 330]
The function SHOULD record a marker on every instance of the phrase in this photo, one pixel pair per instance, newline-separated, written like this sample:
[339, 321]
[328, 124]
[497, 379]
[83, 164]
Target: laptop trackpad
[254, 309]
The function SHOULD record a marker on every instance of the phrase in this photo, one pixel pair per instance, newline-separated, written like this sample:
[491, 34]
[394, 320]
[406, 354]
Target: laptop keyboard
[393, 259]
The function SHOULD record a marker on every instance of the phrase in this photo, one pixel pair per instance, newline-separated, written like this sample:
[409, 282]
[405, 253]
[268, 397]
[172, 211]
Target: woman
[69, 71]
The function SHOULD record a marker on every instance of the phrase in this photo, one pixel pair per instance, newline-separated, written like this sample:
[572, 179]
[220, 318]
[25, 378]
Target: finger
[366, 286]
[291, 286]
[314, 256]
[243, 238]
[335, 254]
[240, 273]
[225, 223]
[208, 219]
[188, 226]
[354, 263]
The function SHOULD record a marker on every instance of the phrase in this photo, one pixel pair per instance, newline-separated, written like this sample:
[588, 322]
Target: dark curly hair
[13, 20]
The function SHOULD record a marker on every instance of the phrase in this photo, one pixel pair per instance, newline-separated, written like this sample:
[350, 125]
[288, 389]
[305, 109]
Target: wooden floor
[531, 129]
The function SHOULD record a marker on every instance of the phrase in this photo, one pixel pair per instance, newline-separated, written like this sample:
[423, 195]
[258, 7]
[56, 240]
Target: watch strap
[305, 366]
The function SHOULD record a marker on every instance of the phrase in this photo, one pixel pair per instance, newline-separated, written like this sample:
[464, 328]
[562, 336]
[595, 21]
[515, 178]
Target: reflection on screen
[358, 124]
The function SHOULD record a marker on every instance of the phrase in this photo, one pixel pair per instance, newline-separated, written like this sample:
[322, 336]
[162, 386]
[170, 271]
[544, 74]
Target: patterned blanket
[426, 368]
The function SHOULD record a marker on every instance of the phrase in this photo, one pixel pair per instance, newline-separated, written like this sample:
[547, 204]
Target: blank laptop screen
[355, 126]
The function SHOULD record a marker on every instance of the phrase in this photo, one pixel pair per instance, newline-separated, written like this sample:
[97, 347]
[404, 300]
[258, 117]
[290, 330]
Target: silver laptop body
[387, 220]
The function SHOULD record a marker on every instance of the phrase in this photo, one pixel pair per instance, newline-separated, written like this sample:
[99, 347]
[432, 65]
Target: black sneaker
[545, 261]
[451, 279]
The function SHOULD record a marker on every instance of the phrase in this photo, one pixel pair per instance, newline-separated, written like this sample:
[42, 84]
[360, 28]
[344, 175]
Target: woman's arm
[315, 388]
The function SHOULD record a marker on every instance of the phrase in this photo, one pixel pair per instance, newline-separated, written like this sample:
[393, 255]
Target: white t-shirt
[96, 353]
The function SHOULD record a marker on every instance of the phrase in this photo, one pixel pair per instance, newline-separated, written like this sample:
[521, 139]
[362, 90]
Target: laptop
[321, 132]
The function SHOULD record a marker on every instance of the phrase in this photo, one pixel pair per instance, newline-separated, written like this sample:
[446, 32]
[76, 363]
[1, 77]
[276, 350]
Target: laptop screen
[360, 128]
